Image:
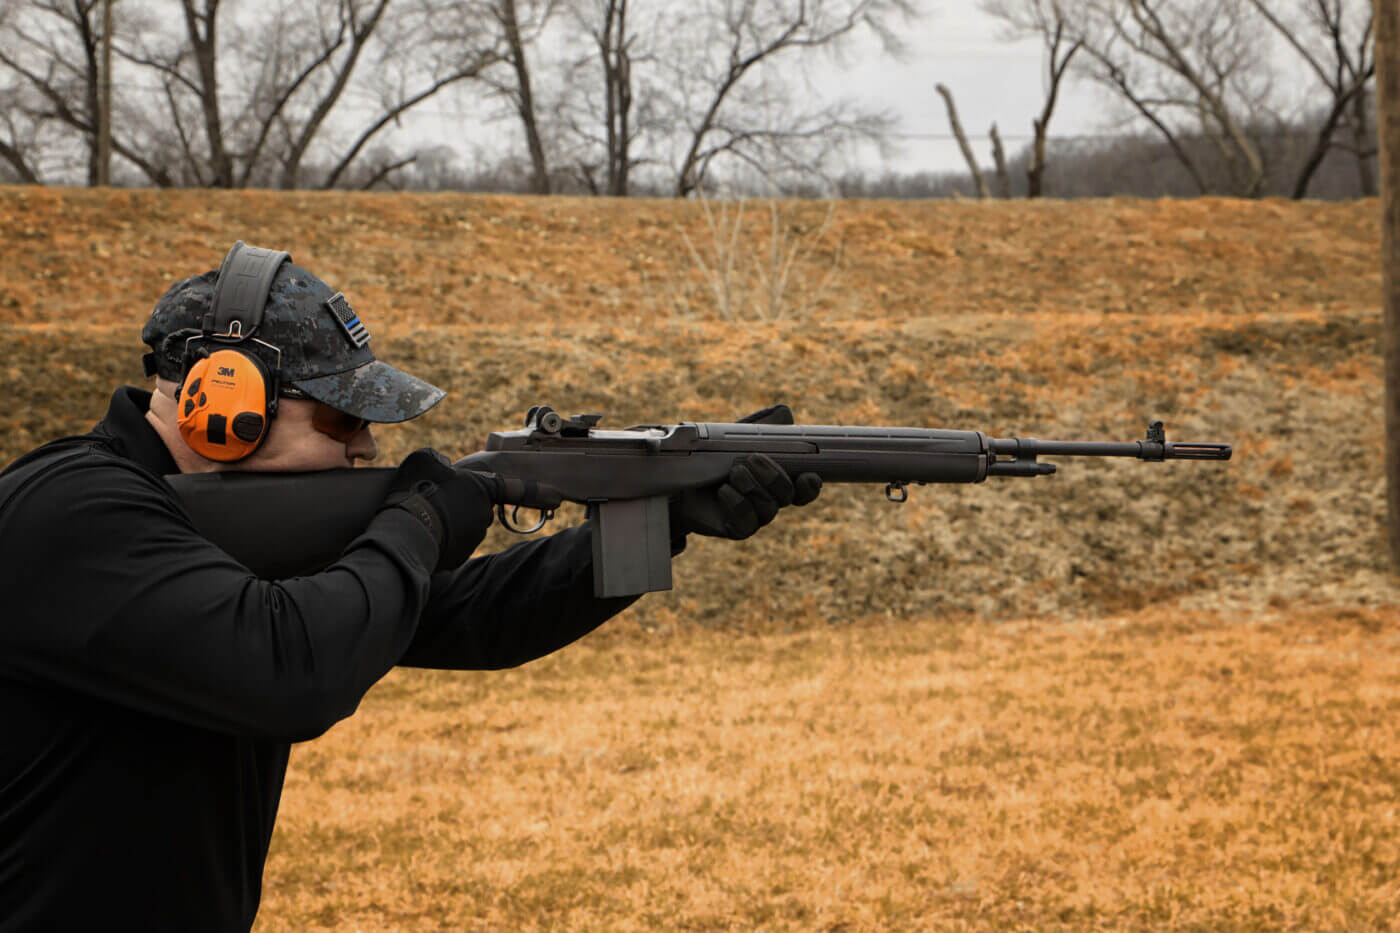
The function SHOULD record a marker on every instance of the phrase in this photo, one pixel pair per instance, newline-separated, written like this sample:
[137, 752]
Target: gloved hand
[751, 497]
[756, 489]
[455, 505]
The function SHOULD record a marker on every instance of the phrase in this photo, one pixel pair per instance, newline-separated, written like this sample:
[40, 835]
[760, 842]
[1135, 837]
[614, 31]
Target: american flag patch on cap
[348, 319]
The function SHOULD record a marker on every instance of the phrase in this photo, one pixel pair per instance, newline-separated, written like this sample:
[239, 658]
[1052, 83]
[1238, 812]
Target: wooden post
[1388, 96]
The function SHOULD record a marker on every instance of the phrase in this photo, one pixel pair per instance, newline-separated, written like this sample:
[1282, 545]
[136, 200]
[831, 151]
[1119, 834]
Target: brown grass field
[1129, 696]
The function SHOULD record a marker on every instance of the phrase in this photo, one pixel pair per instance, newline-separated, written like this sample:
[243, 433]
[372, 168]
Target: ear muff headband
[228, 396]
[245, 278]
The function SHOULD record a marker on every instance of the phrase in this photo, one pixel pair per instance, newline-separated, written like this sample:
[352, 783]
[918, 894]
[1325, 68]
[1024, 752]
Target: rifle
[282, 525]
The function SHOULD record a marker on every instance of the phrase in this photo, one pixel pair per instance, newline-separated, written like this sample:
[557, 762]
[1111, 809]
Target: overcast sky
[991, 80]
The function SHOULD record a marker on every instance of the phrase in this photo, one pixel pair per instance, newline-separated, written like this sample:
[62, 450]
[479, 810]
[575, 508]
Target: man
[151, 685]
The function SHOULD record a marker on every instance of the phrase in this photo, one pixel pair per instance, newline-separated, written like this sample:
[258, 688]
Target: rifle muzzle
[1197, 452]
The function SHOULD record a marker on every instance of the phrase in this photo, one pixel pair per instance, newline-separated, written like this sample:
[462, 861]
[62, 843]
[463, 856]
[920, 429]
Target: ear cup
[223, 405]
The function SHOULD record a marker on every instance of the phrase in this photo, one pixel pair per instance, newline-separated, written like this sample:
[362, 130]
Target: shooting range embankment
[1253, 323]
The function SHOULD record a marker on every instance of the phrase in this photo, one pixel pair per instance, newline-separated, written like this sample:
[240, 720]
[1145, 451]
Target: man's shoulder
[92, 448]
[84, 464]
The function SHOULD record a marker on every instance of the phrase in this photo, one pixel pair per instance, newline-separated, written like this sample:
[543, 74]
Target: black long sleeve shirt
[151, 686]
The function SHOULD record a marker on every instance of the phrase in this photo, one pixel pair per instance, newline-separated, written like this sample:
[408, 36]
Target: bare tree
[22, 120]
[664, 95]
[1334, 39]
[981, 183]
[296, 64]
[605, 115]
[1051, 23]
[104, 105]
[1195, 66]
[521, 93]
[422, 54]
[201, 30]
[1115, 75]
[356, 25]
[51, 49]
[733, 47]
[606, 22]
[187, 66]
[17, 159]
[20, 129]
[512, 27]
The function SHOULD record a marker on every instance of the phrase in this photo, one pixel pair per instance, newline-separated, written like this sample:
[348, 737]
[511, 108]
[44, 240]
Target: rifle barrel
[1141, 450]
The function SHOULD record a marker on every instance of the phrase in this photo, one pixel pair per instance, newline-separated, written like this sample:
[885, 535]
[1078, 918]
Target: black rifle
[282, 525]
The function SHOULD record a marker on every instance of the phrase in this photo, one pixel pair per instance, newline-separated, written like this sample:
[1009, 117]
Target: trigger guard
[509, 522]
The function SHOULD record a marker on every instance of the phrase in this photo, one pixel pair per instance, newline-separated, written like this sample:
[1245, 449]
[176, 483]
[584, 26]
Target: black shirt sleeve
[504, 609]
[110, 592]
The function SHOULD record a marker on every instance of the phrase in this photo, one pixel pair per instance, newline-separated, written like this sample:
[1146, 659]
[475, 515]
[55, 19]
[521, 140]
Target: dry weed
[750, 279]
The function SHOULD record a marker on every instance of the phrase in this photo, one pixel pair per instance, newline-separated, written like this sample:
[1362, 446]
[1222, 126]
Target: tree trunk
[204, 48]
[999, 159]
[978, 180]
[1388, 96]
[1361, 138]
[617, 86]
[623, 157]
[104, 123]
[1321, 144]
[525, 101]
[92, 91]
[1035, 171]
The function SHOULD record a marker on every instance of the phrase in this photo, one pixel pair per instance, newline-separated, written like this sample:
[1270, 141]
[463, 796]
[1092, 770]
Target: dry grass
[1185, 719]
[1157, 770]
[440, 259]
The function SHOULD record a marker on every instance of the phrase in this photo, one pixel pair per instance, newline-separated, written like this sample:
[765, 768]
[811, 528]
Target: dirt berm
[1254, 323]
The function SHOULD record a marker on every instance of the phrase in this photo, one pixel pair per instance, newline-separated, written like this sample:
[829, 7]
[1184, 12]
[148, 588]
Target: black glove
[453, 504]
[756, 489]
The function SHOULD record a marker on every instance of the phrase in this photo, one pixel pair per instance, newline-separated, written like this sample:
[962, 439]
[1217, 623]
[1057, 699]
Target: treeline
[604, 96]
[1143, 165]
[1132, 165]
[1248, 98]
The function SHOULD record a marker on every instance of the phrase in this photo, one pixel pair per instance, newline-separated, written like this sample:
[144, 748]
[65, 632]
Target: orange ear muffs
[225, 404]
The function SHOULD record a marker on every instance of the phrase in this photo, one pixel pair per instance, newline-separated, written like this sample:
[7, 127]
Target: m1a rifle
[282, 525]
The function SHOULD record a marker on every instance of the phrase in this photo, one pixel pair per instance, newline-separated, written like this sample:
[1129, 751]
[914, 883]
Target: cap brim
[375, 391]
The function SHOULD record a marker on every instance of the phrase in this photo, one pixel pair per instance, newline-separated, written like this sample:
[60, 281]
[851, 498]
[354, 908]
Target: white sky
[991, 80]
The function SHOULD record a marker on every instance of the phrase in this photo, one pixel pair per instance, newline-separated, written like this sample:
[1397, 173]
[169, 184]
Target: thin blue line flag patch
[349, 320]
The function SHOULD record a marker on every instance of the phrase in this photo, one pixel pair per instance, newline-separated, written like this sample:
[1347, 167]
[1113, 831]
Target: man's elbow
[302, 713]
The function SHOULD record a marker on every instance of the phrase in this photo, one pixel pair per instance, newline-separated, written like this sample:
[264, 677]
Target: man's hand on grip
[454, 504]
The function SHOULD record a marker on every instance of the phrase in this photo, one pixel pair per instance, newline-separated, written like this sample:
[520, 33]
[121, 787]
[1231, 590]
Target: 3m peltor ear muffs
[228, 395]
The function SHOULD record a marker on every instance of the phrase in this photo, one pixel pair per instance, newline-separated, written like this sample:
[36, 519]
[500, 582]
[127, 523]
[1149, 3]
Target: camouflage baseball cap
[325, 347]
